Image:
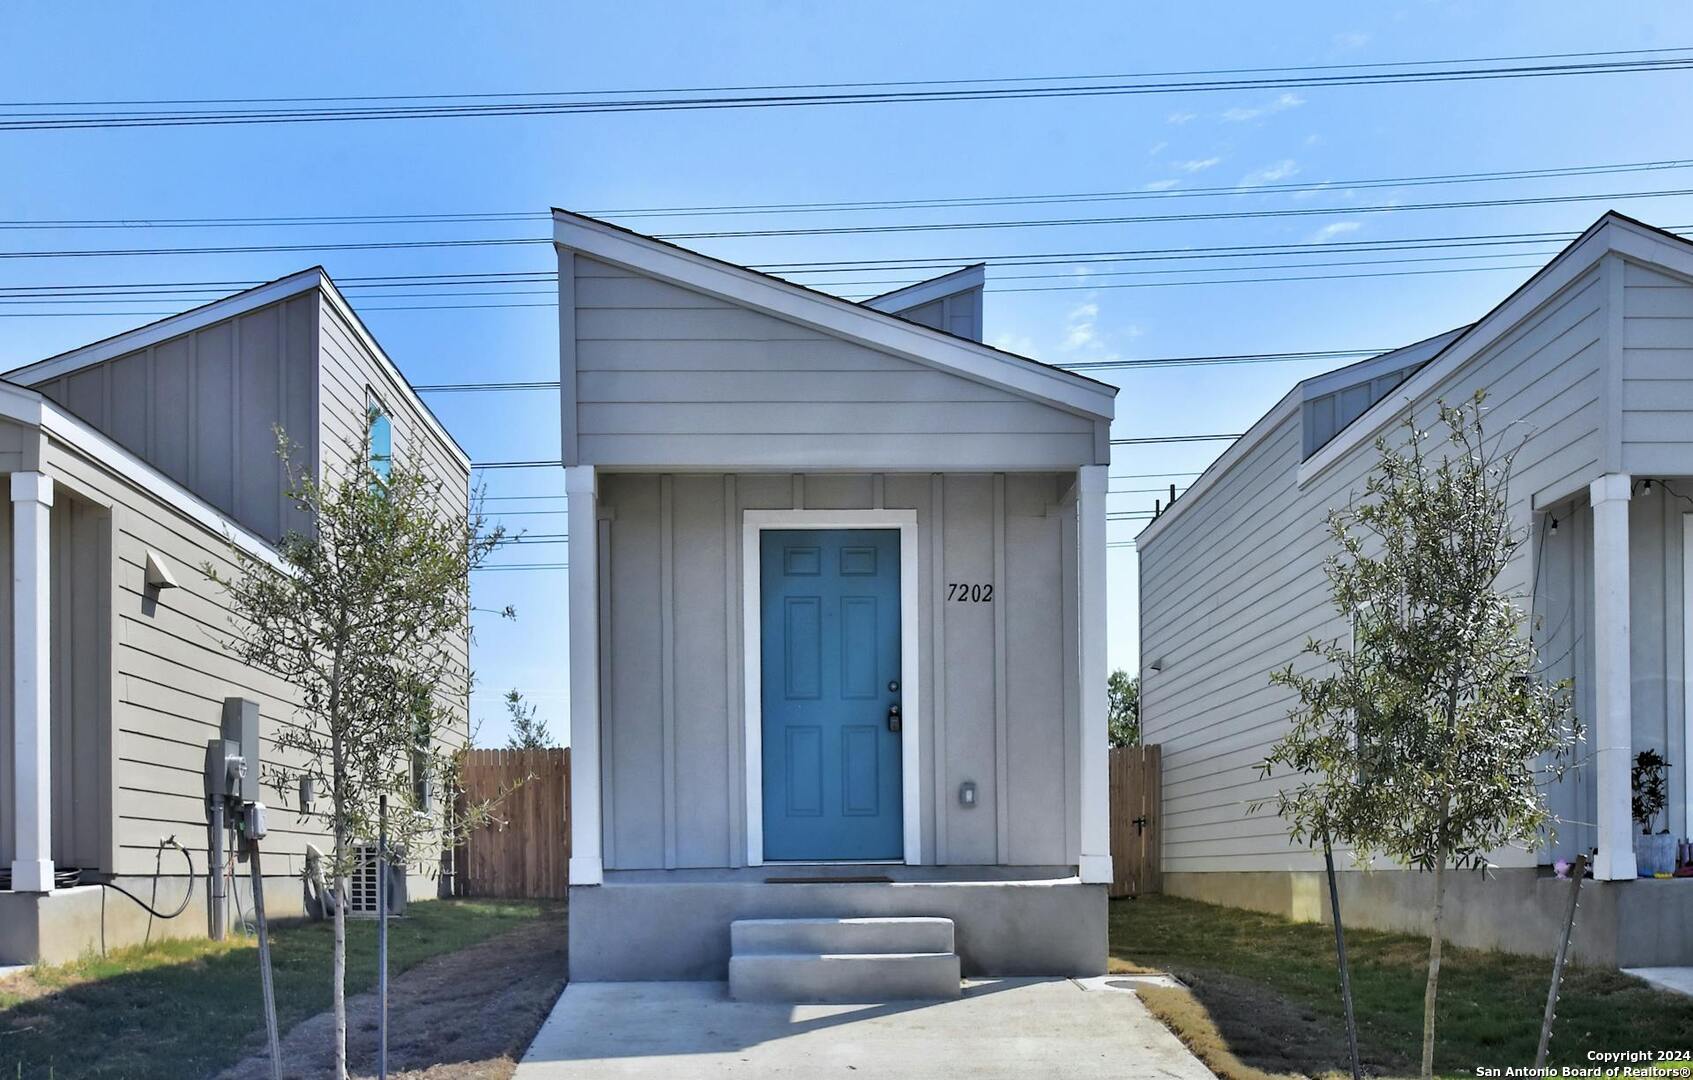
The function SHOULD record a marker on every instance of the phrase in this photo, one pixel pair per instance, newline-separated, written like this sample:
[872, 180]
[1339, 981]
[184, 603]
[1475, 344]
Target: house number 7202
[967, 593]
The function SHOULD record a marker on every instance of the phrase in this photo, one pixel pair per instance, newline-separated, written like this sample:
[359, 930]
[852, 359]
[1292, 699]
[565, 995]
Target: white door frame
[752, 654]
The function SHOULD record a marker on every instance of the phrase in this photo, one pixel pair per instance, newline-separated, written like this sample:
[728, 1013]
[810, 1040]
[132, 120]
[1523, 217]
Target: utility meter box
[241, 727]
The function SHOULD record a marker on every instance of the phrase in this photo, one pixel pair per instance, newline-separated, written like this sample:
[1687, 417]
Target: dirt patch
[1243, 1031]
[467, 1015]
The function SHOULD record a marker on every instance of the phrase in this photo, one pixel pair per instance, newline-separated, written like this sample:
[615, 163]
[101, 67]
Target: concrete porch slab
[1675, 979]
[999, 1030]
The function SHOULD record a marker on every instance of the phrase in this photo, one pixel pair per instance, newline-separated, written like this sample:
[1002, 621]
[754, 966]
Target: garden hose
[145, 906]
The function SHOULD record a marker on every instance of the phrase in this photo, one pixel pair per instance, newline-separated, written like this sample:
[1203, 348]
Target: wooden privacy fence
[525, 850]
[1136, 795]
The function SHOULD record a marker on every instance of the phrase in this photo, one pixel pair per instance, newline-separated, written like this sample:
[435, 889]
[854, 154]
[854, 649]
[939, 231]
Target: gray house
[1590, 363]
[836, 629]
[134, 462]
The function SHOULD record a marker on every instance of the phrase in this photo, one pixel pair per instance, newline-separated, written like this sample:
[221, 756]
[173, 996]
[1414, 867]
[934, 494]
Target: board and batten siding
[996, 708]
[202, 407]
[668, 374]
[1234, 587]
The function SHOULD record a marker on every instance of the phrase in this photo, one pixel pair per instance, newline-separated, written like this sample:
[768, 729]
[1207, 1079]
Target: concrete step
[844, 979]
[840, 936]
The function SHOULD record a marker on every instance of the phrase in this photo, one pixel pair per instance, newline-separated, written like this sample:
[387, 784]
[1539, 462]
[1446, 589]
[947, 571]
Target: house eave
[841, 318]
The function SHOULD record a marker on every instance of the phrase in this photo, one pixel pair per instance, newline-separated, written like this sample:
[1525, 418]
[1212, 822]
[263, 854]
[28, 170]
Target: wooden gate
[1136, 797]
[525, 850]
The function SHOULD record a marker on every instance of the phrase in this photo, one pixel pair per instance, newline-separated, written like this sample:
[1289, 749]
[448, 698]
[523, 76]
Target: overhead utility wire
[855, 206]
[1145, 440]
[898, 93]
[848, 85]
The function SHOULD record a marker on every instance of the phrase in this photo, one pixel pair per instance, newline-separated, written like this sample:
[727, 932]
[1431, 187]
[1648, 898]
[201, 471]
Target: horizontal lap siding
[202, 407]
[349, 372]
[172, 670]
[665, 374]
[1657, 390]
[1233, 588]
[672, 701]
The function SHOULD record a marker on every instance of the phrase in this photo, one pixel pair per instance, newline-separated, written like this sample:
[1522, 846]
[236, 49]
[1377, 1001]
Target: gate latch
[1139, 824]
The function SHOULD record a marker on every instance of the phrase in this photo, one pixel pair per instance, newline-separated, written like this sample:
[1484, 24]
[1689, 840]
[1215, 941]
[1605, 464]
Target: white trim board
[227, 308]
[925, 292]
[753, 523]
[1687, 674]
[832, 315]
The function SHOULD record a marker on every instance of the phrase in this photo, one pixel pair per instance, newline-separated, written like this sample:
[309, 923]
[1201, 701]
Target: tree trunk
[339, 977]
[1430, 990]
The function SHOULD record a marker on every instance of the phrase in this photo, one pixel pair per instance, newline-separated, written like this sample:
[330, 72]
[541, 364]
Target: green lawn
[188, 1008]
[1270, 986]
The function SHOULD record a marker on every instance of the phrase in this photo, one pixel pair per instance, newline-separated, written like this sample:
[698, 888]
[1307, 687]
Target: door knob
[893, 718]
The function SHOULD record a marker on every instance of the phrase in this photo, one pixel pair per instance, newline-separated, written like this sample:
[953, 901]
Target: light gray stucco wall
[997, 710]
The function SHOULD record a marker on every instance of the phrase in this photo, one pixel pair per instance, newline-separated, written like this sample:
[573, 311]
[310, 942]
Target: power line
[1152, 219]
[852, 206]
[284, 110]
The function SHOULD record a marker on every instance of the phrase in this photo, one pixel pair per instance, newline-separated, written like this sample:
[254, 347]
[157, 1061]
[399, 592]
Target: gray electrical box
[241, 727]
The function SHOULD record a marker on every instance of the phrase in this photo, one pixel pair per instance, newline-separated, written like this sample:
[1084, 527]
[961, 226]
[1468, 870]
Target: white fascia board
[1236, 452]
[164, 329]
[29, 407]
[832, 315]
[926, 292]
[1610, 234]
[351, 318]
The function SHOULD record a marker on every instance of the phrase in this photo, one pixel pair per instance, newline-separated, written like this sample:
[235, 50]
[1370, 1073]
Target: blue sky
[603, 162]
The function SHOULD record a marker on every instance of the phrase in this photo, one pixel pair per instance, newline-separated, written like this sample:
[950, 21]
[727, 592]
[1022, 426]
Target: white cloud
[1270, 174]
[1197, 164]
[1313, 140]
[1080, 332]
[1333, 229]
[1355, 39]
[1160, 185]
[1282, 103]
[1181, 117]
[1157, 148]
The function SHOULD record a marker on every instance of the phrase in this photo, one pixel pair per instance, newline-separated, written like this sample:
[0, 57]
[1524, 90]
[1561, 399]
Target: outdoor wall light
[967, 793]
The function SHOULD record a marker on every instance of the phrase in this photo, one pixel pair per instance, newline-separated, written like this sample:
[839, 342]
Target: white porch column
[1613, 720]
[1095, 795]
[32, 719]
[582, 493]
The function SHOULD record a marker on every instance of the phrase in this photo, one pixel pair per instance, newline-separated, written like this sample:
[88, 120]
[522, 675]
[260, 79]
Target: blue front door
[830, 660]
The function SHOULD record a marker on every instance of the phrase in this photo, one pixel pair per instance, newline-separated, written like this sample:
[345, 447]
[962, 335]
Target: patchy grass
[1269, 993]
[188, 1008]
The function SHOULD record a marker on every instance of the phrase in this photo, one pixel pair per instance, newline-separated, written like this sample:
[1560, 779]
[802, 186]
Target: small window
[381, 431]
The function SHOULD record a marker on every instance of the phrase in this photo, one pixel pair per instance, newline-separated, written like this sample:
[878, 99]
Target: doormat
[868, 879]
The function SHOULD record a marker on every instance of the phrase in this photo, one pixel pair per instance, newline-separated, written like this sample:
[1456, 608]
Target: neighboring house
[1589, 365]
[837, 622]
[132, 460]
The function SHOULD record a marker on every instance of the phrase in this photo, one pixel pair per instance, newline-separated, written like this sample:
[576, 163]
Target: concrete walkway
[1000, 1028]
[1675, 979]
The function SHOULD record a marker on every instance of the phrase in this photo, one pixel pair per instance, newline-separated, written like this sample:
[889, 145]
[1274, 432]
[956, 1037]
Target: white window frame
[373, 400]
[754, 523]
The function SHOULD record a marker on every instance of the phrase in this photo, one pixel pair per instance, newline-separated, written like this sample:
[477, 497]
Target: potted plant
[1654, 853]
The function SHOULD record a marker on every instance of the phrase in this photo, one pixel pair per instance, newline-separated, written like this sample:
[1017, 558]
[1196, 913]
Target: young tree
[1425, 738]
[1122, 705]
[366, 617]
[529, 732]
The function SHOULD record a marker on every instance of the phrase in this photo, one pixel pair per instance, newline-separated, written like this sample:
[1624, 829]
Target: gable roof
[313, 278]
[950, 283]
[829, 314]
[1445, 353]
